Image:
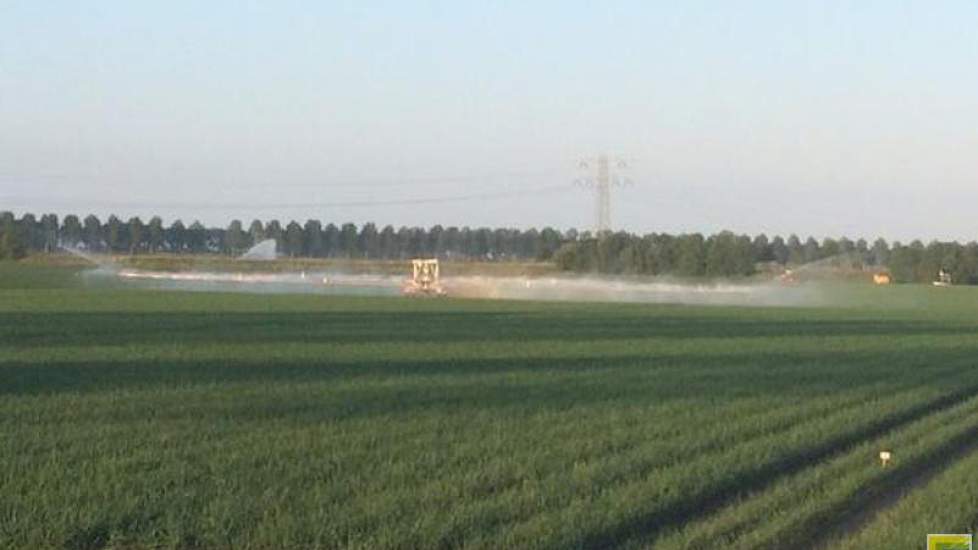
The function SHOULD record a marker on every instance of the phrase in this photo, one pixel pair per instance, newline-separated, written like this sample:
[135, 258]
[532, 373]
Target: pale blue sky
[824, 118]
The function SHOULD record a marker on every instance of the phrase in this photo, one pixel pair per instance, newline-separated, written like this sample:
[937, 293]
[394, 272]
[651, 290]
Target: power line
[211, 205]
[486, 179]
[438, 200]
[492, 178]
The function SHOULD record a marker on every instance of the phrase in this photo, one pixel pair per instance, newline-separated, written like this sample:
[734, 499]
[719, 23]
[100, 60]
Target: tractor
[424, 279]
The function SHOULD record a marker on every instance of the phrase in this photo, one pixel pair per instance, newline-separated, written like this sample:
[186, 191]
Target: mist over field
[505, 288]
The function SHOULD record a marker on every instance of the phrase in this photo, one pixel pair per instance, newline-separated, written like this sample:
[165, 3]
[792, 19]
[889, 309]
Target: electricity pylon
[605, 175]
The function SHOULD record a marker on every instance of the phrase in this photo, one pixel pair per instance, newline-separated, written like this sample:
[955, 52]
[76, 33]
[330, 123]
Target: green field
[141, 419]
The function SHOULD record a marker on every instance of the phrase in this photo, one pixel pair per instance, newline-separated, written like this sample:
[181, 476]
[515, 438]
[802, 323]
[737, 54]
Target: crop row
[364, 423]
[948, 504]
[432, 477]
[801, 509]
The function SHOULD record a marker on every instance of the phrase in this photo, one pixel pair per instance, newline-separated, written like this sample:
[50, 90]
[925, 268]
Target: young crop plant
[946, 503]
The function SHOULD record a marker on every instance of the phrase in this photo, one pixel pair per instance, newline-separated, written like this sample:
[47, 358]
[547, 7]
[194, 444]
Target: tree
[403, 238]
[293, 239]
[155, 233]
[811, 251]
[177, 237]
[137, 235]
[388, 243]
[369, 241]
[904, 261]
[566, 257]
[257, 232]
[880, 253]
[273, 230]
[235, 239]
[659, 254]
[449, 243]
[526, 244]
[480, 244]
[761, 249]
[11, 241]
[313, 239]
[937, 257]
[435, 241]
[779, 250]
[348, 241]
[830, 247]
[611, 246]
[796, 255]
[93, 233]
[549, 241]
[114, 237]
[691, 259]
[214, 239]
[968, 264]
[744, 264]
[197, 238]
[30, 234]
[846, 246]
[728, 255]
[50, 232]
[331, 241]
[72, 231]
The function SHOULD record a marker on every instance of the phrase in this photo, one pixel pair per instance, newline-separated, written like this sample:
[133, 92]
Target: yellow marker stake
[885, 457]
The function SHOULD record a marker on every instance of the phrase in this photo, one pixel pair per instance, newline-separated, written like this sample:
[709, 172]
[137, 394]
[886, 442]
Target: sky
[818, 118]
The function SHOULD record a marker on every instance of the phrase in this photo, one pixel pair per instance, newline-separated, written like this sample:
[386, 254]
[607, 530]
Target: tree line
[722, 255]
[312, 239]
[726, 255]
